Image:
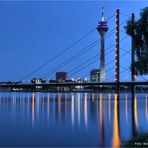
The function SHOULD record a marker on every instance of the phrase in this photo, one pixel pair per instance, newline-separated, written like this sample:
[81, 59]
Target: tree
[139, 31]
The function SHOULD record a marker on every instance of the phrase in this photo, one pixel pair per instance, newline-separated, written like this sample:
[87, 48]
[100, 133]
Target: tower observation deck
[102, 29]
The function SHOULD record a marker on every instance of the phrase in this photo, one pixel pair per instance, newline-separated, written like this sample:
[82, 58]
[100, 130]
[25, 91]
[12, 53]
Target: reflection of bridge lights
[101, 121]
[146, 106]
[135, 112]
[48, 105]
[72, 109]
[37, 103]
[13, 100]
[85, 109]
[116, 136]
[65, 102]
[109, 111]
[59, 105]
[93, 97]
[101, 111]
[79, 109]
[33, 108]
[126, 106]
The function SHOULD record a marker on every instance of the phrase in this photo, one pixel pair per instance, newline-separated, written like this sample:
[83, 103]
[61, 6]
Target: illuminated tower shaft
[102, 59]
[102, 29]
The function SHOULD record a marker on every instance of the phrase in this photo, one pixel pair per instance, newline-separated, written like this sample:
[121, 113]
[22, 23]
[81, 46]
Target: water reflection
[72, 109]
[135, 112]
[32, 108]
[126, 106]
[109, 107]
[134, 115]
[79, 109]
[85, 119]
[85, 109]
[146, 107]
[101, 121]
[48, 107]
[116, 135]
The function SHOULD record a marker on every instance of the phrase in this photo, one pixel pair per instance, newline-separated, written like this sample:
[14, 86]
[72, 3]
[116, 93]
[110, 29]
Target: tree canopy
[139, 31]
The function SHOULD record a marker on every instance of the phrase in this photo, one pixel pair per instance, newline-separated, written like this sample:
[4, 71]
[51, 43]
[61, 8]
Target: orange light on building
[135, 76]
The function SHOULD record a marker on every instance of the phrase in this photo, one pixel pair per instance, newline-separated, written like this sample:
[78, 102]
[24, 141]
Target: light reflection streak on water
[37, 104]
[146, 107]
[126, 107]
[65, 102]
[101, 121]
[85, 109]
[28, 104]
[42, 100]
[14, 98]
[72, 109]
[101, 112]
[14, 101]
[53, 105]
[97, 103]
[59, 106]
[93, 97]
[135, 112]
[116, 136]
[79, 109]
[76, 114]
[32, 108]
[23, 104]
[109, 109]
[48, 106]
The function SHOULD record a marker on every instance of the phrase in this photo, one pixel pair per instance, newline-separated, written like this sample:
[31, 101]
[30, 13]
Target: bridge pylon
[117, 53]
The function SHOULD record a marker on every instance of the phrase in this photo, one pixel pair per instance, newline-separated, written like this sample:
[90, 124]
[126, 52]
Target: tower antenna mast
[102, 14]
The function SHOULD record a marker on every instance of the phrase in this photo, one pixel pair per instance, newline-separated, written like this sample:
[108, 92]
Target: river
[71, 119]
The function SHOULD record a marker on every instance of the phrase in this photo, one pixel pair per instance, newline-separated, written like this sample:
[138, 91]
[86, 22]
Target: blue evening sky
[32, 32]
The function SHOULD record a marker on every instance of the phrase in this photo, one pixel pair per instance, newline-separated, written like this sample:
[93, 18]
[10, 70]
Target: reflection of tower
[102, 29]
[102, 131]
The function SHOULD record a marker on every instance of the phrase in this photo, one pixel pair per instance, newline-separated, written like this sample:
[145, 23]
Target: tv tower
[102, 29]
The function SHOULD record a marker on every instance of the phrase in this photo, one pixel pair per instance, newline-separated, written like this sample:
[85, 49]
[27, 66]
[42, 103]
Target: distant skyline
[32, 32]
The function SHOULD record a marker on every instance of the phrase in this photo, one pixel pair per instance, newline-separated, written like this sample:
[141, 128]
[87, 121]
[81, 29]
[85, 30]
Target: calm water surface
[71, 119]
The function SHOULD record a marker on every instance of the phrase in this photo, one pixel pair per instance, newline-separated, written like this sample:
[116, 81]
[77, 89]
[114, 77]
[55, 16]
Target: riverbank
[139, 141]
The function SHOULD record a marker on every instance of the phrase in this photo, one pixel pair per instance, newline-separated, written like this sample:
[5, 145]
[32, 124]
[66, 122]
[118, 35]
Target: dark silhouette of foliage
[139, 31]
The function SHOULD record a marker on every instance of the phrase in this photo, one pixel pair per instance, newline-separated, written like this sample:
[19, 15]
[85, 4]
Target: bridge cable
[129, 70]
[72, 58]
[62, 52]
[59, 54]
[96, 60]
[59, 66]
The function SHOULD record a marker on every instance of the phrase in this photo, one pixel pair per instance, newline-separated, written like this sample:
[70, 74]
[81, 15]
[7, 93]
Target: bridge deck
[76, 84]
